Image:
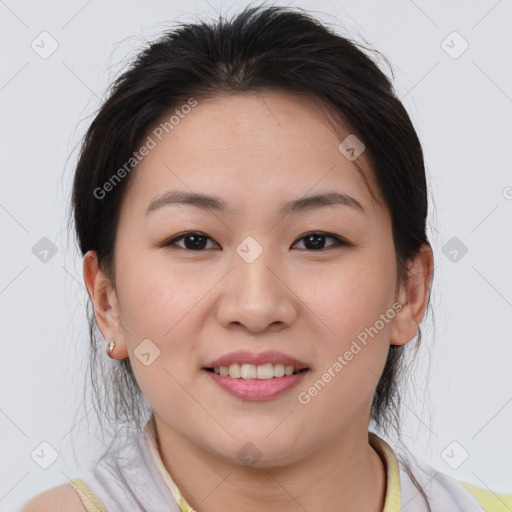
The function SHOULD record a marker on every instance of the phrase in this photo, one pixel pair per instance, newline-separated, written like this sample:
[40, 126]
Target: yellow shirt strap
[157, 459]
[490, 501]
[392, 501]
[89, 499]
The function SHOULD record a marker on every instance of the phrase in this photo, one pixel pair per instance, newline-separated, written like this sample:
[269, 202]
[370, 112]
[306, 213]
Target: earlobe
[103, 298]
[413, 296]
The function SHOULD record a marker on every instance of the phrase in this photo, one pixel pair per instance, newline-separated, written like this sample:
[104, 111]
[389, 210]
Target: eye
[316, 240]
[193, 241]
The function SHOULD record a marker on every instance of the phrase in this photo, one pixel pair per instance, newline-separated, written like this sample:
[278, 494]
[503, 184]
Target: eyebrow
[213, 203]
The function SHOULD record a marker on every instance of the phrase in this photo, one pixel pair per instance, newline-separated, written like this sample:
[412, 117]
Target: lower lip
[257, 389]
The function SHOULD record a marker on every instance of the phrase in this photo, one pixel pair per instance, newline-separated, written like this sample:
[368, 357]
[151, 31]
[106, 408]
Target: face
[315, 282]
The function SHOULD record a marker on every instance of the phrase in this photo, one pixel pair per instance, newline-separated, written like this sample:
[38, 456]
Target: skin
[255, 151]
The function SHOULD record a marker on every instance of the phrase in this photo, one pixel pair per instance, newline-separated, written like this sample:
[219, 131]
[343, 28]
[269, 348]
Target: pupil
[315, 241]
[197, 243]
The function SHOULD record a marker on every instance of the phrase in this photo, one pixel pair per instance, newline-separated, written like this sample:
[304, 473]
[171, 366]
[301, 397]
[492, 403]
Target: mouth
[256, 382]
[256, 376]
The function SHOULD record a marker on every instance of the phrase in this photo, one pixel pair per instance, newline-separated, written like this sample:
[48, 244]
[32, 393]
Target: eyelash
[338, 242]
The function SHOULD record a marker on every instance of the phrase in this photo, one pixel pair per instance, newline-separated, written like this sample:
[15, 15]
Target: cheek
[156, 295]
[164, 303]
[355, 339]
[158, 306]
[352, 295]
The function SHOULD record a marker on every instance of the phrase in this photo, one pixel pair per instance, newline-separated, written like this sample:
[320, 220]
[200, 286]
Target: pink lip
[247, 357]
[256, 389]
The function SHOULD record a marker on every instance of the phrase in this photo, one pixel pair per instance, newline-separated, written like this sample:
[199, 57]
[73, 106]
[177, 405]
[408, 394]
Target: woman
[251, 205]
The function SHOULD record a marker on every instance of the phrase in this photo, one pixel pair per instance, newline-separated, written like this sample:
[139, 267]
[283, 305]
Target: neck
[345, 475]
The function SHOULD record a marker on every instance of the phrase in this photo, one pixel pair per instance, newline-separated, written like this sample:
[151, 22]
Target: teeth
[235, 371]
[279, 370]
[252, 371]
[248, 371]
[265, 371]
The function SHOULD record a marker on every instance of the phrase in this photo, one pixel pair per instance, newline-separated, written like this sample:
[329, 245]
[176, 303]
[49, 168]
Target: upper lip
[247, 357]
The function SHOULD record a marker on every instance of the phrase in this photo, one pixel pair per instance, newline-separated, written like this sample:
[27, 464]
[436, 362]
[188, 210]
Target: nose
[257, 296]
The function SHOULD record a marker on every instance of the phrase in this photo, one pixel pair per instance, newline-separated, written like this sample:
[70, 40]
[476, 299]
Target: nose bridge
[256, 268]
[256, 296]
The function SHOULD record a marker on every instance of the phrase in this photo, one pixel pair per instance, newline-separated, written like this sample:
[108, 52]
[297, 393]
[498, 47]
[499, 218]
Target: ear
[413, 296]
[105, 303]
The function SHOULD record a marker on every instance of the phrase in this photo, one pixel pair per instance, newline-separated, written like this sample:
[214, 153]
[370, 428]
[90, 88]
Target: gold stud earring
[111, 346]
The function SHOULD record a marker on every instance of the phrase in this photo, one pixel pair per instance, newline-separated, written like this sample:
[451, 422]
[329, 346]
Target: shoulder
[491, 501]
[469, 497]
[444, 492]
[61, 498]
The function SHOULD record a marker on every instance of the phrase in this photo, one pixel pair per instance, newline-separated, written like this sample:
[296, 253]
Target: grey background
[460, 103]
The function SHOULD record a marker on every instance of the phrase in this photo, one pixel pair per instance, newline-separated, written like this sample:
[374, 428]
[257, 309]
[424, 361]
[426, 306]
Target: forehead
[270, 144]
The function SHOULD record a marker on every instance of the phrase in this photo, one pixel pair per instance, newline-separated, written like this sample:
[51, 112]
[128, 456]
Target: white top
[132, 477]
